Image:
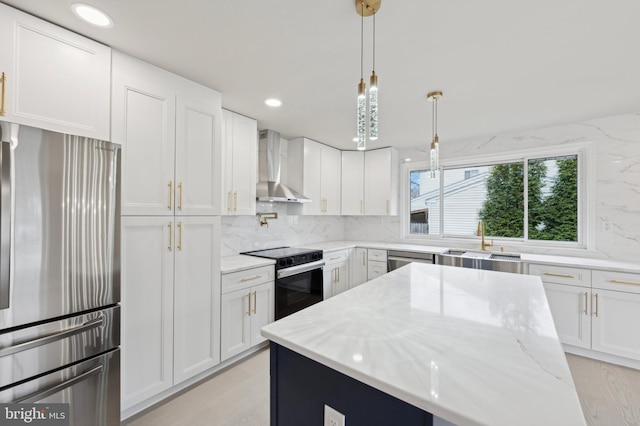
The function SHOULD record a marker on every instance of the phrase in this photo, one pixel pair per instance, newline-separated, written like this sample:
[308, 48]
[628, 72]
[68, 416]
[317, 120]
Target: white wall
[617, 180]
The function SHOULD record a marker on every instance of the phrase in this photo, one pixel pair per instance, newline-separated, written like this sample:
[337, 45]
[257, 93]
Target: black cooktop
[288, 256]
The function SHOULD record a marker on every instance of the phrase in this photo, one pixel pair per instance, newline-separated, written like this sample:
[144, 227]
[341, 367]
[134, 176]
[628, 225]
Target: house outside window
[533, 198]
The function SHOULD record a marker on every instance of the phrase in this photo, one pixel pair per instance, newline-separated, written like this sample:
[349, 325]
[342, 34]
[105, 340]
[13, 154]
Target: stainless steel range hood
[269, 188]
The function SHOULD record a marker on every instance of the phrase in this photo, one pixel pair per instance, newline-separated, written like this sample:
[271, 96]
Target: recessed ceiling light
[355, 139]
[92, 15]
[406, 160]
[273, 102]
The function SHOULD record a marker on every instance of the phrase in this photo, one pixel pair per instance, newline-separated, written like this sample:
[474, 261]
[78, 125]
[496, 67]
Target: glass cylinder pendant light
[367, 8]
[373, 91]
[435, 143]
[362, 89]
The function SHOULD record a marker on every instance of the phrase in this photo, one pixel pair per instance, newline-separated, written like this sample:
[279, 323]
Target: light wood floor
[609, 394]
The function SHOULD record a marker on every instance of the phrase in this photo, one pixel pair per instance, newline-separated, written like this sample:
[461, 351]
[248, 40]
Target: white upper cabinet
[381, 182]
[239, 151]
[197, 153]
[54, 79]
[315, 171]
[170, 130]
[352, 183]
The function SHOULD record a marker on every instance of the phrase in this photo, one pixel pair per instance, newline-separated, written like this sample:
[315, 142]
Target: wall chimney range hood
[269, 189]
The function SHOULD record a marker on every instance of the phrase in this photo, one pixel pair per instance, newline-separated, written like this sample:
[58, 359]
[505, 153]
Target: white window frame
[586, 195]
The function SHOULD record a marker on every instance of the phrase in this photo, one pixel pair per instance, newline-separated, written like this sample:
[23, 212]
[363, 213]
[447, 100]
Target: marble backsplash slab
[617, 194]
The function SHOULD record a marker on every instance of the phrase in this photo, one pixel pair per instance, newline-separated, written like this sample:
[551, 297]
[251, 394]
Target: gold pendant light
[367, 8]
[435, 142]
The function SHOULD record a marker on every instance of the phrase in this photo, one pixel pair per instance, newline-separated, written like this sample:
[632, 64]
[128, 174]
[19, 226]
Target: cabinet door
[614, 320]
[312, 178]
[235, 335]
[570, 312]
[331, 177]
[143, 114]
[380, 182]
[341, 278]
[262, 310]
[245, 139]
[358, 265]
[147, 308]
[352, 183]
[327, 281]
[198, 138]
[55, 79]
[197, 296]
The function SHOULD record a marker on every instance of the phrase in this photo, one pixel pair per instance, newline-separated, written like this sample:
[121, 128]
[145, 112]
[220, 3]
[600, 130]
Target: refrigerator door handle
[98, 322]
[37, 396]
[9, 132]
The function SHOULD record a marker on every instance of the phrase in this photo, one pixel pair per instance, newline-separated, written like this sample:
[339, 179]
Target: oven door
[298, 287]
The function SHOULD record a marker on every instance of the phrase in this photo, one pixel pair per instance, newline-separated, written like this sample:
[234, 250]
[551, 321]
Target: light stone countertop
[470, 346]
[241, 262]
[578, 262]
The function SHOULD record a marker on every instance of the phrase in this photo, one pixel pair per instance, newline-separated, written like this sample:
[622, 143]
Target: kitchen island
[472, 347]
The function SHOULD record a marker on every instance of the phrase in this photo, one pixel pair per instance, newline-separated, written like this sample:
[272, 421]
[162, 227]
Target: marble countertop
[240, 262]
[470, 346]
[579, 262]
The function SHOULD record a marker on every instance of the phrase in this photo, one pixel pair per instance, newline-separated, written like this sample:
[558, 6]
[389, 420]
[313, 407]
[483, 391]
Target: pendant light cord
[362, 41]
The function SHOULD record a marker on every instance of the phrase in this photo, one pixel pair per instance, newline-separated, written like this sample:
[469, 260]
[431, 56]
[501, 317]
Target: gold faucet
[480, 232]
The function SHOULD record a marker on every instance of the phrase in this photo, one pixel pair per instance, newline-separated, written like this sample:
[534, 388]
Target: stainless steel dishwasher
[396, 258]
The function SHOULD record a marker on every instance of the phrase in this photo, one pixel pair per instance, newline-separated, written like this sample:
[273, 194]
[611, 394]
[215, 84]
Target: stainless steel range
[298, 277]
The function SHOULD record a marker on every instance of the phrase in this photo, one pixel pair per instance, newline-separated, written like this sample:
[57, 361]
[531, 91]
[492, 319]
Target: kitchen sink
[501, 262]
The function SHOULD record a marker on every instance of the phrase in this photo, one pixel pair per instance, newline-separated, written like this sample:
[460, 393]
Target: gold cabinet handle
[624, 282]
[251, 278]
[596, 311]
[363, 262]
[229, 202]
[180, 198]
[249, 299]
[254, 302]
[551, 274]
[586, 301]
[338, 272]
[180, 236]
[361, 203]
[4, 82]
[170, 232]
[387, 206]
[235, 201]
[170, 194]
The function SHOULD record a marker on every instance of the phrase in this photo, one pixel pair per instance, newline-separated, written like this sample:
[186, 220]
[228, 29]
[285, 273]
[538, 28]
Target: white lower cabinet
[170, 302]
[247, 304]
[569, 309]
[358, 266]
[376, 263]
[336, 273]
[599, 313]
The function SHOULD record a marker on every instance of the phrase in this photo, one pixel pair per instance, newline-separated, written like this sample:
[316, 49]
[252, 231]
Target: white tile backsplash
[617, 141]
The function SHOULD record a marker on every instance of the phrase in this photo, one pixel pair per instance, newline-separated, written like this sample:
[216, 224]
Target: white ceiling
[503, 65]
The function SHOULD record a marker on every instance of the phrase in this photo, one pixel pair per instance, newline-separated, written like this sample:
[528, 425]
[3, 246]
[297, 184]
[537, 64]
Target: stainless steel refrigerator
[59, 273]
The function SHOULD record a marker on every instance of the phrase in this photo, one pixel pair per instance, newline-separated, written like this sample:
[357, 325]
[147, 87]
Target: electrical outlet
[333, 417]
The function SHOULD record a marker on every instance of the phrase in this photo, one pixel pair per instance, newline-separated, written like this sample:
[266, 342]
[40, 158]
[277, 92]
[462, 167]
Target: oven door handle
[295, 270]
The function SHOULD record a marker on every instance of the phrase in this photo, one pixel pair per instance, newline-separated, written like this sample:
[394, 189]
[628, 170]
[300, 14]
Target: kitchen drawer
[336, 256]
[247, 278]
[376, 269]
[562, 274]
[617, 281]
[377, 255]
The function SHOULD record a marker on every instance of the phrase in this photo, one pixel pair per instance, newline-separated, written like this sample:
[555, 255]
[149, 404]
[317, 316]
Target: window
[532, 199]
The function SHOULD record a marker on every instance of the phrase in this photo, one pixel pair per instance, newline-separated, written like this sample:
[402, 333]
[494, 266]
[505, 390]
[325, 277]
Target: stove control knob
[282, 263]
[290, 261]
